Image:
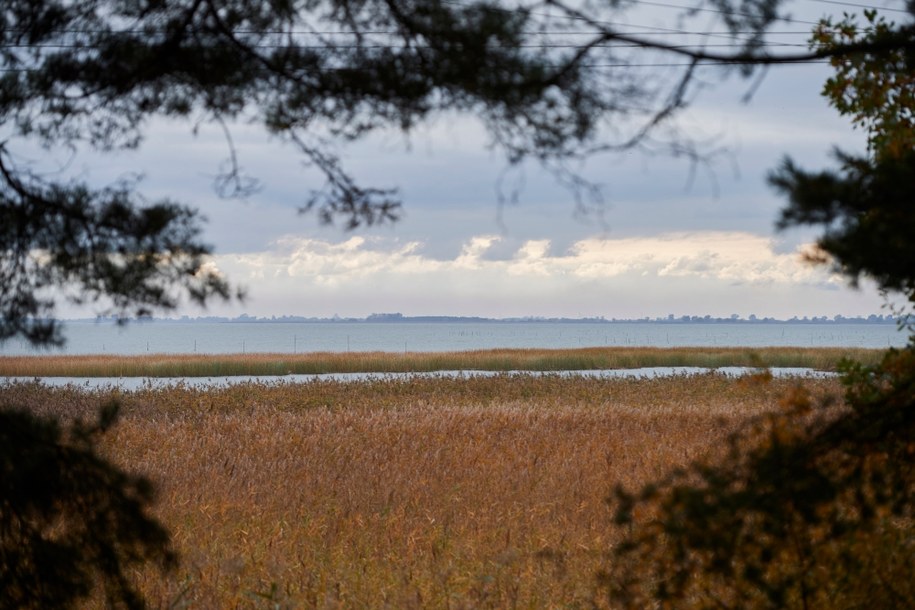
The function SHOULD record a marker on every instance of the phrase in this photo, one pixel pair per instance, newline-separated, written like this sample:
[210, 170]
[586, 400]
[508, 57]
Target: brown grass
[194, 365]
[427, 493]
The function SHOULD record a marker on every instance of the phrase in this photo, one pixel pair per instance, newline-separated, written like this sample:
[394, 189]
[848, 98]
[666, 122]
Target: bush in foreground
[811, 508]
[71, 523]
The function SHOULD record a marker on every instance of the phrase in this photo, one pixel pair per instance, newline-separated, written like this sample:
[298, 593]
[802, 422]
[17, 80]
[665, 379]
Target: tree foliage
[866, 210]
[865, 206]
[71, 523]
[94, 74]
[875, 89]
[552, 82]
[92, 244]
[809, 507]
[812, 506]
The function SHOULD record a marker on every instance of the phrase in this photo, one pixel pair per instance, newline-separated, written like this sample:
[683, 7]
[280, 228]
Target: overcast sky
[669, 238]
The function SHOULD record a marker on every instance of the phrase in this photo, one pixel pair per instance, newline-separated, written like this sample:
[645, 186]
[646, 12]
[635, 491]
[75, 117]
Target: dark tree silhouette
[812, 506]
[552, 82]
[71, 523]
[865, 206]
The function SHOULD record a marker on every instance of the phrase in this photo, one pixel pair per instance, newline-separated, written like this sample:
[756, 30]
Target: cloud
[734, 257]
[707, 272]
[473, 251]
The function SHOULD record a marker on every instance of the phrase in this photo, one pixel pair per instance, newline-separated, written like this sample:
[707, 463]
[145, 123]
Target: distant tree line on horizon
[400, 318]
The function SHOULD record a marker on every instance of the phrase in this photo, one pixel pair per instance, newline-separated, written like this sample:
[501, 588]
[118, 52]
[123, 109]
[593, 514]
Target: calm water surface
[136, 383]
[223, 338]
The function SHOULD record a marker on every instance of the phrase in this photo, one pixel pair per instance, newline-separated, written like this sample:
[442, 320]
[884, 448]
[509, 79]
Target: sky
[669, 238]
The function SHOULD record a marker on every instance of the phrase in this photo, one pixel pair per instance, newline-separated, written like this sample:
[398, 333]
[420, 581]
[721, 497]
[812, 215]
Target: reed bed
[195, 365]
[420, 493]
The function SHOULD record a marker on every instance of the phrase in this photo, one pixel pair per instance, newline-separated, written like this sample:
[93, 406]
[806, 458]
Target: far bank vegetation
[219, 365]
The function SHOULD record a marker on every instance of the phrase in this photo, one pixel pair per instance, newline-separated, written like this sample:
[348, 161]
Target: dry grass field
[424, 493]
[201, 365]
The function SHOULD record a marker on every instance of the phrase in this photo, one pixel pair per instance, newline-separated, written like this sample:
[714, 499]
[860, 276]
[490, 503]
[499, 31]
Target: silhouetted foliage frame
[808, 507]
[72, 524]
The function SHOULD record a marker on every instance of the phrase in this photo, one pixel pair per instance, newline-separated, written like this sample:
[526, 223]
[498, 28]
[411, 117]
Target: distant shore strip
[542, 360]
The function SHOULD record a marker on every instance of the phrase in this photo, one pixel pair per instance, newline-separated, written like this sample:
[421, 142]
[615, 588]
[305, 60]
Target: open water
[136, 383]
[237, 337]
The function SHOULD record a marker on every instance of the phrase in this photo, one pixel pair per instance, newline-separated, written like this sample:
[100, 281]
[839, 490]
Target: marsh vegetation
[194, 365]
[420, 493]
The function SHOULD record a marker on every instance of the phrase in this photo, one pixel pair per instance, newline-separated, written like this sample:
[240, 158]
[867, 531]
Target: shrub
[810, 507]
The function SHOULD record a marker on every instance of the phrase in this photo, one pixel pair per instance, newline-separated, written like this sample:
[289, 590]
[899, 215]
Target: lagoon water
[136, 383]
[165, 337]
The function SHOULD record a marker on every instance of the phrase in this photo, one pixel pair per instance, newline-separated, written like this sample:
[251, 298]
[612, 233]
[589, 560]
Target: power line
[602, 65]
[867, 6]
[329, 45]
[340, 47]
[654, 31]
[599, 22]
[643, 2]
[717, 11]
[650, 31]
[687, 65]
[642, 29]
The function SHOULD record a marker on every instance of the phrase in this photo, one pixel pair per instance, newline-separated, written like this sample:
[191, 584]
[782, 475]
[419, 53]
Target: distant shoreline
[505, 360]
[401, 319]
